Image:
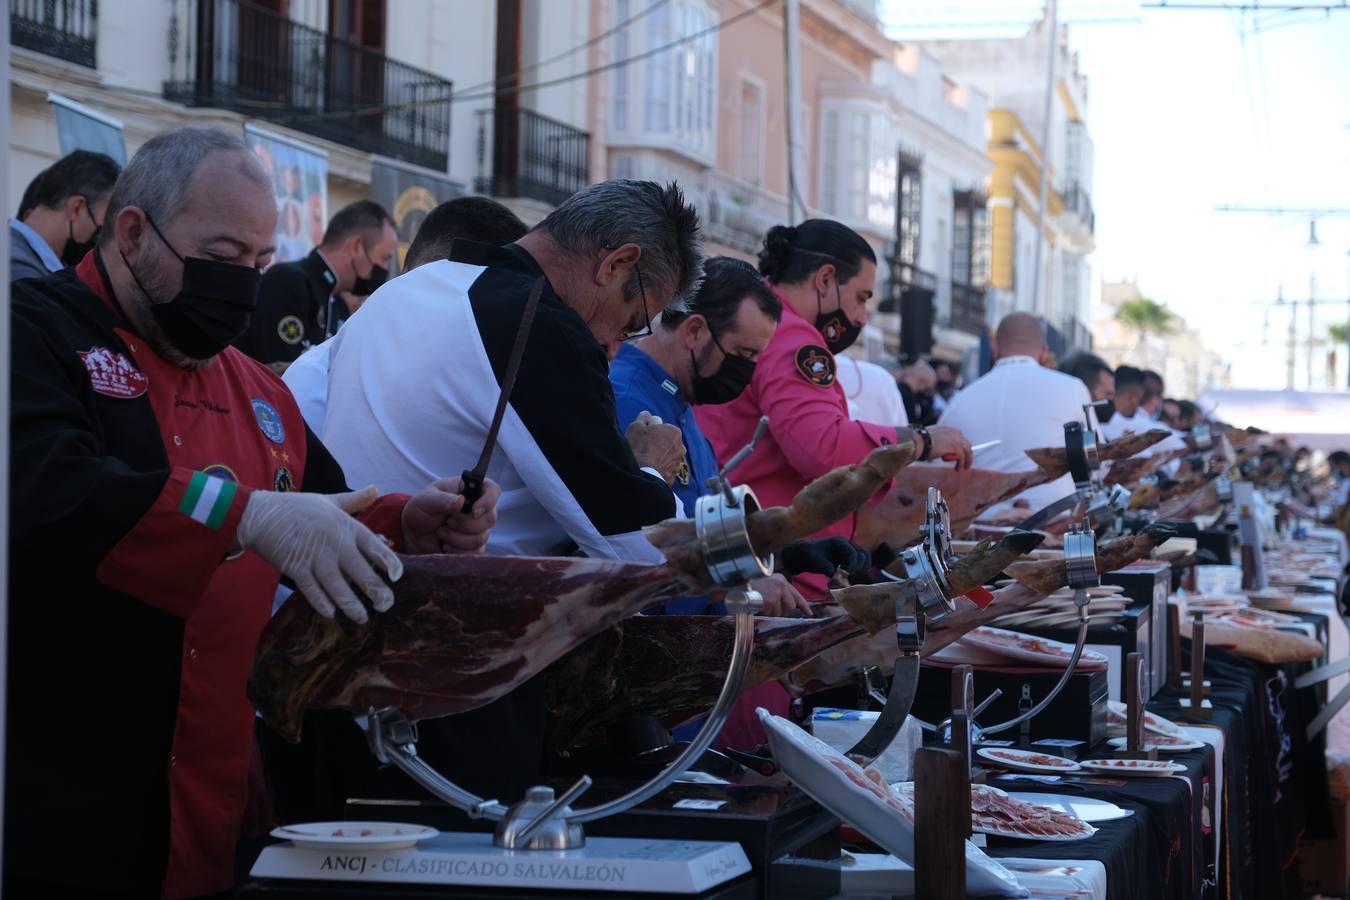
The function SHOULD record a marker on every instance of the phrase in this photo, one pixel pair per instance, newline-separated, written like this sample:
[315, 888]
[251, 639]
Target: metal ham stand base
[539, 842]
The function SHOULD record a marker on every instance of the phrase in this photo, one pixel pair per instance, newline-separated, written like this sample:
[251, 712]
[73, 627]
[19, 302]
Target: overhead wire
[615, 29]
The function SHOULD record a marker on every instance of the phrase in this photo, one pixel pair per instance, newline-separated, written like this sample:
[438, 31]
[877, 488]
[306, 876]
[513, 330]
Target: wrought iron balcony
[904, 275]
[1078, 201]
[968, 308]
[524, 154]
[66, 29]
[236, 55]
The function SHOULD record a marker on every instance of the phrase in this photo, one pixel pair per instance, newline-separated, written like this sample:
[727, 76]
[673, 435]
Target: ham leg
[1054, 461]
[465, 630]
[896, 519]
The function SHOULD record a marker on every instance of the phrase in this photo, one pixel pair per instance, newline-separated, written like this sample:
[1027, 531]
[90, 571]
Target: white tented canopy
[1320, 419]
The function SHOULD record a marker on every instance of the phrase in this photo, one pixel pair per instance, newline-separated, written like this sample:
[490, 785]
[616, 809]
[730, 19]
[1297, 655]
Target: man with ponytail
[824, 273]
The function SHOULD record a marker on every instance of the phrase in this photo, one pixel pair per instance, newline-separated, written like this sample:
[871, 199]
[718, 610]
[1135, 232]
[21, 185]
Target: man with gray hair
[414, 381]
[156, 478]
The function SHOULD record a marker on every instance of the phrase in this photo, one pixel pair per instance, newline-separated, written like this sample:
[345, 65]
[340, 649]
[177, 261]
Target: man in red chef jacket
[160, 481]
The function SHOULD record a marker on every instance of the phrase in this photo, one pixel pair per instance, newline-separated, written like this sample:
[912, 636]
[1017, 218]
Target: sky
[1190, 109]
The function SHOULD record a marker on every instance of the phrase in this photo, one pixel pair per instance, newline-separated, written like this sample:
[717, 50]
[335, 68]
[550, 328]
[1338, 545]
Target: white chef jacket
[1139, 423]
[871, 392]
[411, 393]
[307, 378]
[1024, 405]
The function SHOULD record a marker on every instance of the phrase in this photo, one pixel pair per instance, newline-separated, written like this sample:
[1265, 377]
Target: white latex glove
[313, 540]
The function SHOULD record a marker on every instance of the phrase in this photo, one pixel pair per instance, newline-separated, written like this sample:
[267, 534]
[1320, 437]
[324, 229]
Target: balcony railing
[235, 55]
[524, 154]
[1078, 201]
[904, 275]
[65, 29]
[968, 308]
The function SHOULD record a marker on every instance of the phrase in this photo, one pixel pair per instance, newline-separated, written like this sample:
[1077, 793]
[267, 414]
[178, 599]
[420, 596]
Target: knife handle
[471, 486]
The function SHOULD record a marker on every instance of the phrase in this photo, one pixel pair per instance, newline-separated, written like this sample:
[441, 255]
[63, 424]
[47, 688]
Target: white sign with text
[604, 864]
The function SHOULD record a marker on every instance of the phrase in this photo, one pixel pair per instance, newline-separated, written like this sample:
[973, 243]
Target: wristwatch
[927, 450]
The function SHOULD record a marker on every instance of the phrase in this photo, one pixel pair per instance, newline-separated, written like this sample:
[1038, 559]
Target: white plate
[1118, 743]
[354, 835]
[1015, 758]
[1138, 767]
[1028, 648]
[1089, 809]
[841, 786]
[1008, 829]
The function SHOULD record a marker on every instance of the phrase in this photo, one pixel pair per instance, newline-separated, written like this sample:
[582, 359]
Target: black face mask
[74, 250]
[1105, 410]
[837, 329]
[211, 309]
[366, 286]
[727, 383]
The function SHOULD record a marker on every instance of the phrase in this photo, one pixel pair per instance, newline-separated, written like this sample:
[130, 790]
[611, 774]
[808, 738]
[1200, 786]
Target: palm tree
[1146, 317]
[1338, 333]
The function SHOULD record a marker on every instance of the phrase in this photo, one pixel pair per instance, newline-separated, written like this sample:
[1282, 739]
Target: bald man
[1020, 403]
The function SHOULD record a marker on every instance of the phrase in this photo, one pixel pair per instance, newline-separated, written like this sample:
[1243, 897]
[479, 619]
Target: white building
[1013, 73]
[354, 78]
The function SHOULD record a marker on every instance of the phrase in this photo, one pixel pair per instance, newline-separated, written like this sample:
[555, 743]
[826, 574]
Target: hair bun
[779, 244]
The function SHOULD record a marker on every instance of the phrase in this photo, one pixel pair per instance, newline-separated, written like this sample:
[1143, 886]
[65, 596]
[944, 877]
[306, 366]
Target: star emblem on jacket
[816, 365]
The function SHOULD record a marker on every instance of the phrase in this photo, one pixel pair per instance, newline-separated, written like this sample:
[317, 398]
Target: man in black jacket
[303, 303]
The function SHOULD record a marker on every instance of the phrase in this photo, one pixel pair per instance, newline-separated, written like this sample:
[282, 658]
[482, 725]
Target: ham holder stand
[539, 841]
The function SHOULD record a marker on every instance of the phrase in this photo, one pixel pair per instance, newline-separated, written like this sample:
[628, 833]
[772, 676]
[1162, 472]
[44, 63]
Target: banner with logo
[409, 192]
[78, 127]
[299, 174]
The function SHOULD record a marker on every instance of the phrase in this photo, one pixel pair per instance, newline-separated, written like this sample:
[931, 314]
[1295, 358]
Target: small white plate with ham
[354, 835]
[1142, 767]
[1027, 648]
[996, 812]
[1089, 809]
[1163, 743]
[1027, 760]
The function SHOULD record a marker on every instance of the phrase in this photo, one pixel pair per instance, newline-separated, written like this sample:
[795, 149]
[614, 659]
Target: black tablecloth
[1152, 853]
[1275, 792]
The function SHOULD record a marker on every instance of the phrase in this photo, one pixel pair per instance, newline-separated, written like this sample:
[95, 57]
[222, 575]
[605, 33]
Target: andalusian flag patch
[207, 499]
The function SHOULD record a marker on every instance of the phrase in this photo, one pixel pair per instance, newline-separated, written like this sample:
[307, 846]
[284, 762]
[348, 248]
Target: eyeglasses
[642, 290]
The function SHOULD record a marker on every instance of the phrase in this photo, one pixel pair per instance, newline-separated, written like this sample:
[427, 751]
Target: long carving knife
[471, 480]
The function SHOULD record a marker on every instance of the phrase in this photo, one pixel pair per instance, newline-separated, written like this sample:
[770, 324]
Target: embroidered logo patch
[282, 481]
[682, 475]
[113, 375]
[207, 499]
[269, 420]
[290, 329]
[816, 365]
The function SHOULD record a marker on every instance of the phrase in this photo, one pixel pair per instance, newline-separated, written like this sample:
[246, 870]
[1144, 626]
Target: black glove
[824, 556]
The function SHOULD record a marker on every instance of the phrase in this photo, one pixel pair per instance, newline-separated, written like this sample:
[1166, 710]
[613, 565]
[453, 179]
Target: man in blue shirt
[60, 214]
[703, 354]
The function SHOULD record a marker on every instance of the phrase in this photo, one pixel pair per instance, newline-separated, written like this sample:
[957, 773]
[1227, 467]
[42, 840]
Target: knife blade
[1037, 519]
[471, 480]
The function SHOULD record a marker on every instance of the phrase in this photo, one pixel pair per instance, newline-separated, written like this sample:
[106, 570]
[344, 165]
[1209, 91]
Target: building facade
[356, 79]
[530, 100]
[1013, 72]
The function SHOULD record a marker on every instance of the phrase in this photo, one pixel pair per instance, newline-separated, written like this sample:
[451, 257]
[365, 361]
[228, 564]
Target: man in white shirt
[413, 383]
[871, 392]
[1020, 403]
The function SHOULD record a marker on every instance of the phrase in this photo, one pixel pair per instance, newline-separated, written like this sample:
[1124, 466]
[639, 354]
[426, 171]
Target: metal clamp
[926, 563]
[1224, 486]
[1080, 557]
[721, 518]
[1080, 447]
